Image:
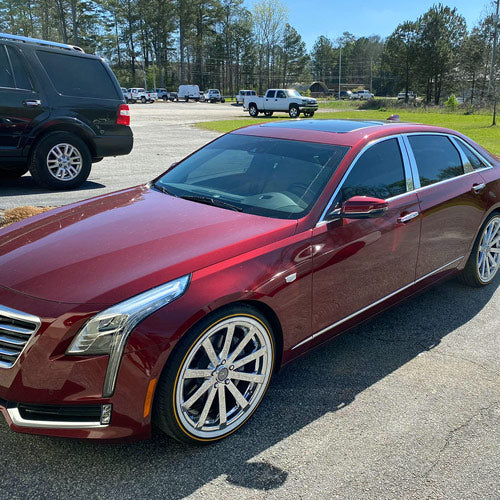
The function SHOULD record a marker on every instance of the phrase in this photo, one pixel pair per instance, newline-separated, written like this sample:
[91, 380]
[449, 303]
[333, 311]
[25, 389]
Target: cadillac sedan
[173, 303]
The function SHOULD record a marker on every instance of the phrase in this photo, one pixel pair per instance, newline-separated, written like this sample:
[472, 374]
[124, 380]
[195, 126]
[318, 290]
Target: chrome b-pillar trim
[373, 304]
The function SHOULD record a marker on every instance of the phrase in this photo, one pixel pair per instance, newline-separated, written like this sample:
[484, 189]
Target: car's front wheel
[61, 160]
[484, 260]
[294, 111]
[216, 377]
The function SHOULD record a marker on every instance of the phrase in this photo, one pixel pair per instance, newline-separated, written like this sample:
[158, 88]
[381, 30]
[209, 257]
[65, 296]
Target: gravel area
[405, 406]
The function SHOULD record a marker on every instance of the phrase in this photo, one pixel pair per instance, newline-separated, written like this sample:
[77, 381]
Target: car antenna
[393, 118]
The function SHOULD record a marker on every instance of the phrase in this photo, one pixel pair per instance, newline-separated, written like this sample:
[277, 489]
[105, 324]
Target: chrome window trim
[379, 301]
[20, 316]
[406, 167]
[19, 421]
[475, 152]
[465, 161]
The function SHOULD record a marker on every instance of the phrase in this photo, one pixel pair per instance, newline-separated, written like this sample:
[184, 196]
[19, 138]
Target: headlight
[108, 331]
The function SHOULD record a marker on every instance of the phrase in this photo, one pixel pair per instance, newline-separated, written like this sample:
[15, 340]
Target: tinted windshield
[293, 93]
[258, 175]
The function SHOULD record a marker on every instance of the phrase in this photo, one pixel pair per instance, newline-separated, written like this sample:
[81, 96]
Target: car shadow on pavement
[26, 185]
[322, 382]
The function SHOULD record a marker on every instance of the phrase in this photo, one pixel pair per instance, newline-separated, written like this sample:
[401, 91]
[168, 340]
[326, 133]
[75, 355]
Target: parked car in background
[56, 123]
[212, 95]
[344, 94]
[138, 94]
[124, 91]
[287, 100]
[411, 96]
[244, 256]
[161, 93]
[240, 96]
[361, 94]
[173, 96]
[187, 92]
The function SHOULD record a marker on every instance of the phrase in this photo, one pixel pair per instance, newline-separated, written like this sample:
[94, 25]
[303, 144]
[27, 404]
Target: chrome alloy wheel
[64, 162]
[488, 254]
[224, 377]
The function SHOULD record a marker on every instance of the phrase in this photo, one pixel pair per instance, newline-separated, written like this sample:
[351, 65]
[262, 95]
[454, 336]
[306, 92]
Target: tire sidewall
[475, 252]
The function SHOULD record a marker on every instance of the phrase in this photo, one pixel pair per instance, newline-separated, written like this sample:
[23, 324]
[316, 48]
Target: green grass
[477, 127]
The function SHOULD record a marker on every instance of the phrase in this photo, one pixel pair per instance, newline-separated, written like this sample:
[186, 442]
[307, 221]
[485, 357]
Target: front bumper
[47, 392]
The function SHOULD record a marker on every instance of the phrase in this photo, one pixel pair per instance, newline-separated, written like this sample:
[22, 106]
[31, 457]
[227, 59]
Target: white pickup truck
[286, 100]
[138, 94]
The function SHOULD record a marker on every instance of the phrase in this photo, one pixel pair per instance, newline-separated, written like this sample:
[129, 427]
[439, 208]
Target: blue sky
[312, 18]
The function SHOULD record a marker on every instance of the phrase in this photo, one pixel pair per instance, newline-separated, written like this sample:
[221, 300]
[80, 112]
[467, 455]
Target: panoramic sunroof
[335, 126]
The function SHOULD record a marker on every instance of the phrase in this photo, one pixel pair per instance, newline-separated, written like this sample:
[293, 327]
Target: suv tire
[75, 153]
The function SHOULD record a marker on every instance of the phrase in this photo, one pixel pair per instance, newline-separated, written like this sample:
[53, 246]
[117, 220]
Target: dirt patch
[20, 213]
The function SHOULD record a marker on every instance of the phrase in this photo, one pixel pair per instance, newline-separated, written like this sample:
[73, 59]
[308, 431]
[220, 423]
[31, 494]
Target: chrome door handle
[408, 217]
[32, 102]
[477, 188]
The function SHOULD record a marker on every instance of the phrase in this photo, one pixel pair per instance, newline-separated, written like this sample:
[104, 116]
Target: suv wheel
[61, 160]
[294, 111]
[13, 171]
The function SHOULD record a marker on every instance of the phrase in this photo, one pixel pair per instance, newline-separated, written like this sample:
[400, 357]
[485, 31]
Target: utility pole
[492, 83]
[340, 69]
[371, 73]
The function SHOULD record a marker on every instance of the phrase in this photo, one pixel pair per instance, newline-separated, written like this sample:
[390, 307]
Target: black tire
[143, 100]
[223, 100]
[186, 98]
[253, 111]
[470, 275]
[268, 113]
[127, 100]
[13, 171]
[165, 410]
[165, 98]
[294, 111]
[40, 171]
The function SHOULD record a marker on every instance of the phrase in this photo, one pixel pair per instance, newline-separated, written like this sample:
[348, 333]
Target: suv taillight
[123, 117]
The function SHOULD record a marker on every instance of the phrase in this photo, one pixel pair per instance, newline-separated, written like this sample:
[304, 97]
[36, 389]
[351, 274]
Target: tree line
[223, 44]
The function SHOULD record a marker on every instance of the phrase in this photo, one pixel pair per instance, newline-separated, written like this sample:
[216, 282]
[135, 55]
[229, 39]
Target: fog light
[106, 414]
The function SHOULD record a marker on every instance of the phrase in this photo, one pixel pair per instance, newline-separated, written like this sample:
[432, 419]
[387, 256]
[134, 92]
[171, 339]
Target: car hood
[112, 247]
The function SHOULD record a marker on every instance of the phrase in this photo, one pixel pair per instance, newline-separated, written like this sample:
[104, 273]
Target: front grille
[16, 329]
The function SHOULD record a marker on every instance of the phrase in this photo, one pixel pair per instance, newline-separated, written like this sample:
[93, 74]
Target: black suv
[60, 110]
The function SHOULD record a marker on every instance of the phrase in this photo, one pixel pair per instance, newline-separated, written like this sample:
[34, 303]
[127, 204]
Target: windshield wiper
[162, 189]
[211, 201]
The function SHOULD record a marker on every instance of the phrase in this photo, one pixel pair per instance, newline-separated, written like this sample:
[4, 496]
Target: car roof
[339, 132]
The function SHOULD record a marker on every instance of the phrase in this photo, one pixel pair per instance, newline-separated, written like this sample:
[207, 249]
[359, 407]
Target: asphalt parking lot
[406, 406]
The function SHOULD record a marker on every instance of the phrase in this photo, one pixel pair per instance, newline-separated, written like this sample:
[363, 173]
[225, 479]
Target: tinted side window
[78, 76]
[281, 95]
[271, 93]
[436, 157]
[379, 172]
[21, 77]
[6, 77]
[474, 161]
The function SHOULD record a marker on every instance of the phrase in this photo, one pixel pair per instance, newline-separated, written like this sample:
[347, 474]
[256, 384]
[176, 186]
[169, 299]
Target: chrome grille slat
[16, 330]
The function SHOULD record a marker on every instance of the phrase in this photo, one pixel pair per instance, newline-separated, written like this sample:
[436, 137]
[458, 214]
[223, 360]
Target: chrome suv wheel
[220, 379]
[484, 260]
[64, 162]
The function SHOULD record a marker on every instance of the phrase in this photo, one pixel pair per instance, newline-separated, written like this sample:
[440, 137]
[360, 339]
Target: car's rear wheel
[61, 160]
[268, 113]
[484, 260]
[13, 171]
[253, 111]
[217, 376]
[294, 111]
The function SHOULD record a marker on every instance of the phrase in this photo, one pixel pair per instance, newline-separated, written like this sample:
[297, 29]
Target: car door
[281, 101]
[451, 204]
[20, 103]
[269, 100]
[357, 263]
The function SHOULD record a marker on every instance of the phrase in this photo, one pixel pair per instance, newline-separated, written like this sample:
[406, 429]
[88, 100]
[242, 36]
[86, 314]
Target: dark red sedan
[174, 302]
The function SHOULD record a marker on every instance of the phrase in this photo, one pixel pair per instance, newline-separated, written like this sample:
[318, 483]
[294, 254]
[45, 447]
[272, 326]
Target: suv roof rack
[38, 41]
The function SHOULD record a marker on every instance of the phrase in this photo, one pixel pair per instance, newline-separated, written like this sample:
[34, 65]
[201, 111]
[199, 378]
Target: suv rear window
[78, 76]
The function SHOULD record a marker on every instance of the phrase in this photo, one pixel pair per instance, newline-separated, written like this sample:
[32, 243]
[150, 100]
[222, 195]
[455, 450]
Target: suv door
[451, 203]
[359, 262]
[20, 103]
